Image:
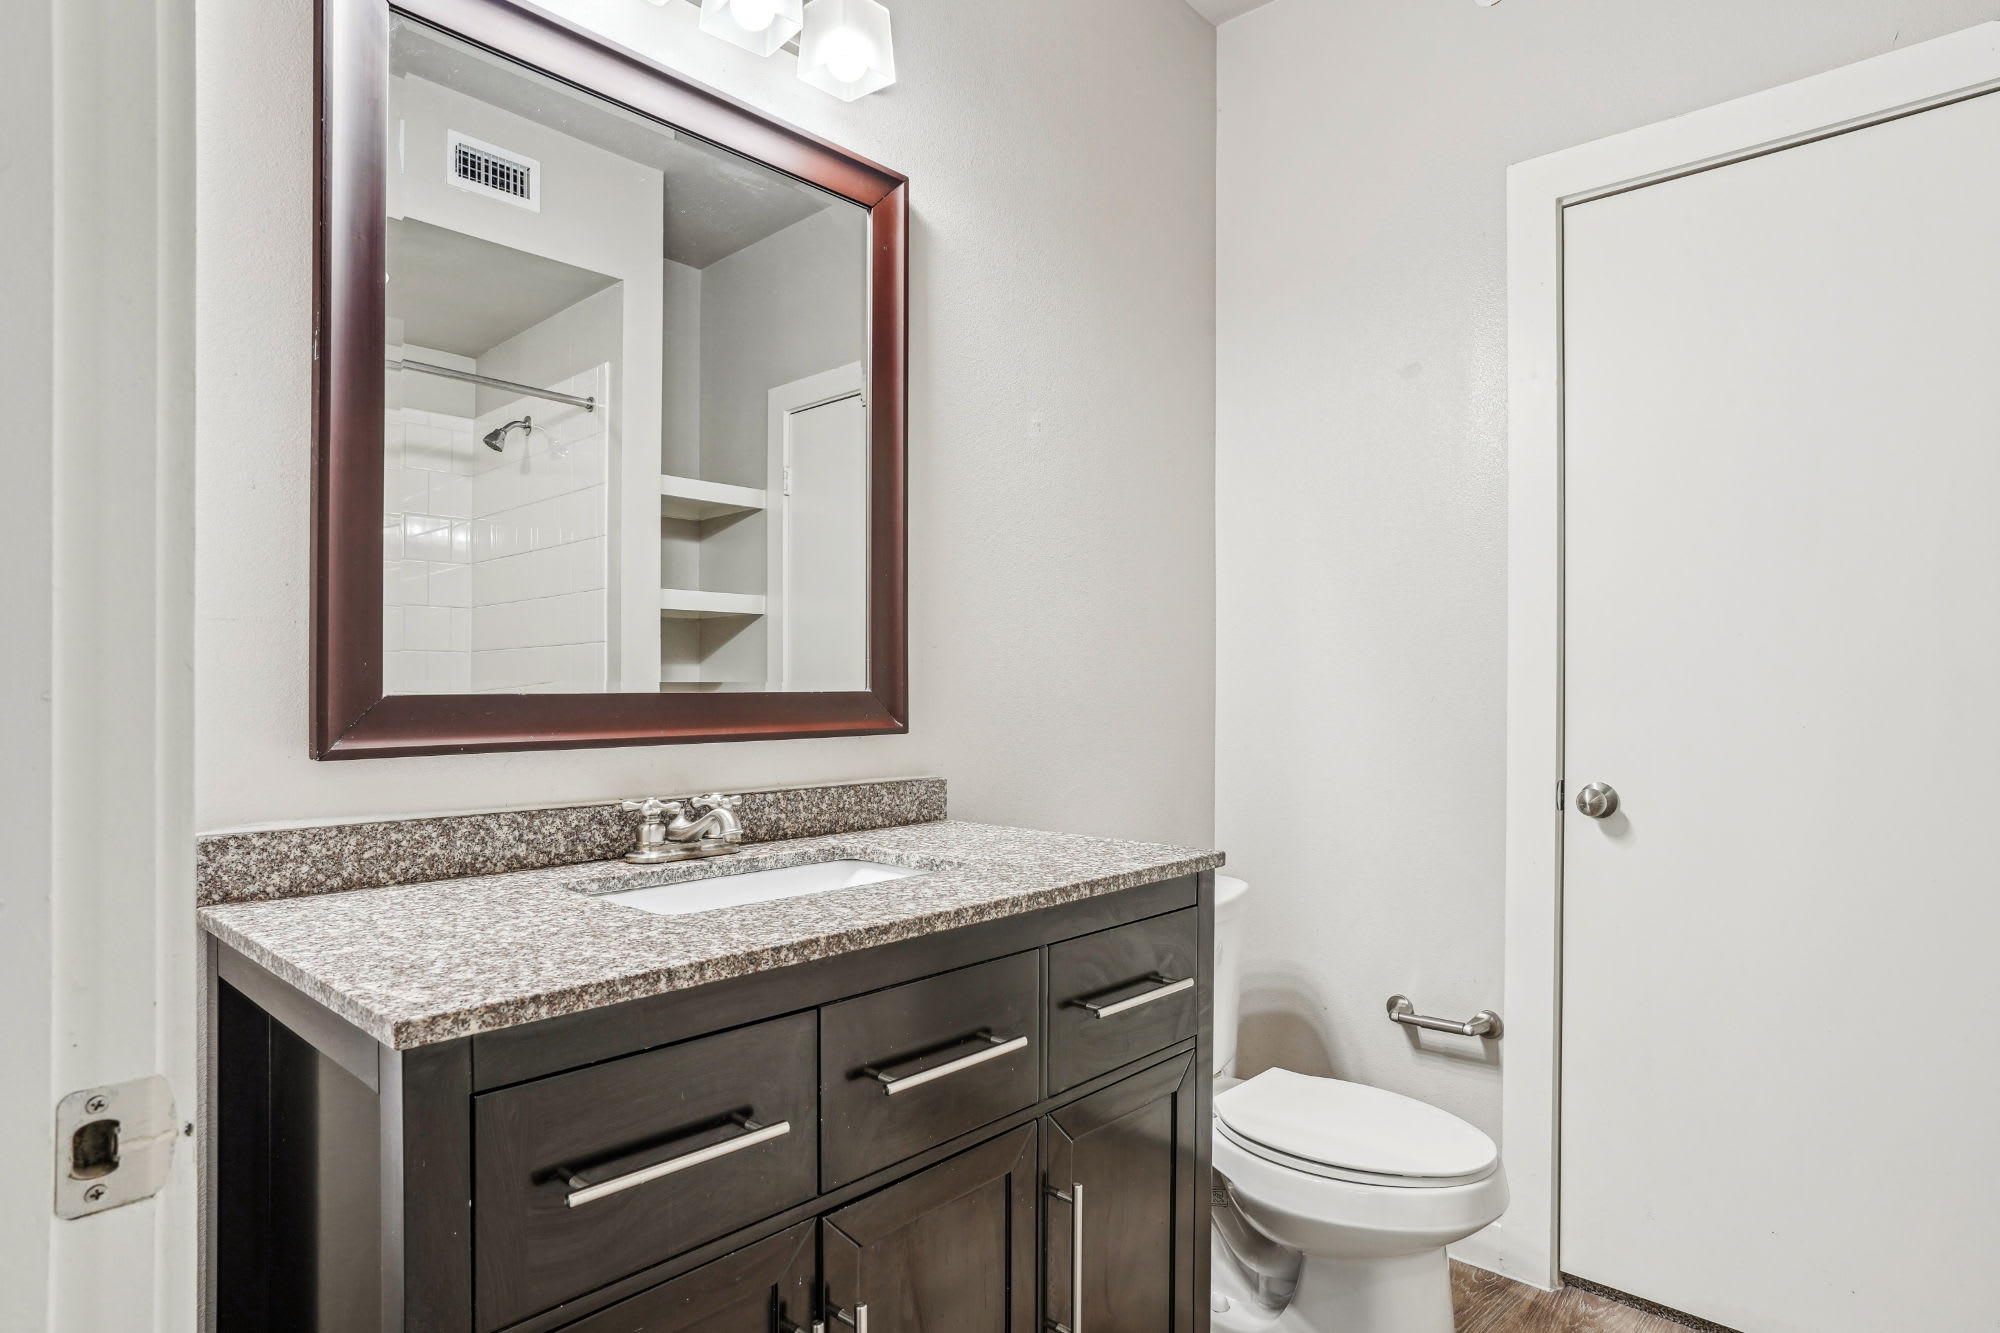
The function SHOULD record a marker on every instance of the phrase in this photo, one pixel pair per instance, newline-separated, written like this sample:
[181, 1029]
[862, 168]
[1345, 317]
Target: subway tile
[452, 497]
[426, 537]
[579, 515]
[392, 629]
[461, 541]
[405, 490]
[448, 673]
[428, 447]
[392, 536]
[585, 565]
[412, 583]
[451, 585]
[403, 673]
[461, 629]
[427, 628]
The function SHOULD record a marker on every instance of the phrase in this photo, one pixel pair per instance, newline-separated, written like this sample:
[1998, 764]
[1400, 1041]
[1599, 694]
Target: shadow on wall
[1283, 1027]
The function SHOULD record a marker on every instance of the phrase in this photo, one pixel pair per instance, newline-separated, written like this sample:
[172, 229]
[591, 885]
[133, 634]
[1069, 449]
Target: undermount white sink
[757, 886]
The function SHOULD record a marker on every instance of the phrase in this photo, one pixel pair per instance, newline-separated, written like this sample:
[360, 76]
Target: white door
[825, 547]
[1780, 1104]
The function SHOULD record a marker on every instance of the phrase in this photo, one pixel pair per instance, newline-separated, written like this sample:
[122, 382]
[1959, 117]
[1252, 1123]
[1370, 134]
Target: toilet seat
[1349, 1131]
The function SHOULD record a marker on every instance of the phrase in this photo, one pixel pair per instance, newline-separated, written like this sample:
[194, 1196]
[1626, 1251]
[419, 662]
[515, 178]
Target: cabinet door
[1125, 1262]
[762, 1288]
[950, 1250]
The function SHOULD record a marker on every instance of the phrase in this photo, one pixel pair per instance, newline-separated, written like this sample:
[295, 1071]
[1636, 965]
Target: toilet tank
[1230, 893]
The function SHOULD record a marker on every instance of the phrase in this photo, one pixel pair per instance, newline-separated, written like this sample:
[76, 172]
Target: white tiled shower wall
[494, 564]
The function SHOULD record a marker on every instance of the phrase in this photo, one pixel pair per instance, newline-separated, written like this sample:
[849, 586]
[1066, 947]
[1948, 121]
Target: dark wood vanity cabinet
[970, 1131]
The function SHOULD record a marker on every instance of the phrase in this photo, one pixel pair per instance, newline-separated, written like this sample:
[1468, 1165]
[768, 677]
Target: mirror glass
[626, 435]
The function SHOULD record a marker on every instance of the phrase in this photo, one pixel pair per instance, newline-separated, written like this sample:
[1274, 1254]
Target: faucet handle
[717, 801]
[651, 808]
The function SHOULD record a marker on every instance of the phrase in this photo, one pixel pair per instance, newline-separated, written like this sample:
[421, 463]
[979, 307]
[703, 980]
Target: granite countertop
[420, 963]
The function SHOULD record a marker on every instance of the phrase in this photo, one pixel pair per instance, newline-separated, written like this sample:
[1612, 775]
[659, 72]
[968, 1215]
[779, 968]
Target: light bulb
[754, 15]
[846, 54]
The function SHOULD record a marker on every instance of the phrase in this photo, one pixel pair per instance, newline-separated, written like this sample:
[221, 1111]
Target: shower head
[496, 439]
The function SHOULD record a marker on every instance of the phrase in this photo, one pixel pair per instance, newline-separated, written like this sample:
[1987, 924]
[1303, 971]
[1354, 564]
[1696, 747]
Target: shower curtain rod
[426, 368]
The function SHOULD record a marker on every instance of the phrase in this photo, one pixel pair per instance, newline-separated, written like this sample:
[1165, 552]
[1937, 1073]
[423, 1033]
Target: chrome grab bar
[583, 1191]
[1485, 1023]
[1075, 1201]
[1165, 986]
[996, 1047]
[858, 1321]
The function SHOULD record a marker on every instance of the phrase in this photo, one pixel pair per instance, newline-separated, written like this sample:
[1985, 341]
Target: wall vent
[485, 169]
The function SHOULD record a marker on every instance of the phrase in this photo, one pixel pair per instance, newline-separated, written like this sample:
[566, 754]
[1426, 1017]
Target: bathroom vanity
[972, 1098]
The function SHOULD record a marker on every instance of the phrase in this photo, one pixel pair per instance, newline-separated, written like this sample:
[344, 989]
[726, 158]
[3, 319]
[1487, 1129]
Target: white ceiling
[716, 202]
[1221, 11]
[462, 294]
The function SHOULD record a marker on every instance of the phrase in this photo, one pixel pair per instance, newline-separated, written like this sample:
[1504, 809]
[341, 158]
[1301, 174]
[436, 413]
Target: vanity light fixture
[845, 48]
[760, 26]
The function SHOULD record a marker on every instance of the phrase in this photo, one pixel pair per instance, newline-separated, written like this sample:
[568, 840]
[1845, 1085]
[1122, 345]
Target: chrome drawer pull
[1167, 986]
[583, 1192]
[996, 1047]
[1075, 1201]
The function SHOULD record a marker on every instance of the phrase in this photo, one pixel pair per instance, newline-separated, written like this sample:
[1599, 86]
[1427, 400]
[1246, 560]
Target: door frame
[1523, 1244]
[783, 402]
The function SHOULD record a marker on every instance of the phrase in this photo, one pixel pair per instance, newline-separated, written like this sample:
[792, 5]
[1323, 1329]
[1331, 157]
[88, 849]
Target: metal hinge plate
[114, 1145]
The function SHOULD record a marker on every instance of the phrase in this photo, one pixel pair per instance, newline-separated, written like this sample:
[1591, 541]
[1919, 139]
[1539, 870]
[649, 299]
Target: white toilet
[1333, 1201]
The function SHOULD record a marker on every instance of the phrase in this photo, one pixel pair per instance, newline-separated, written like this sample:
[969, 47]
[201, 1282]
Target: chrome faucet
[712, 832]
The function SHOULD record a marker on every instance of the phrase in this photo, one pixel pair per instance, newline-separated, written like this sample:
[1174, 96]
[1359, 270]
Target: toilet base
[1410, 1293]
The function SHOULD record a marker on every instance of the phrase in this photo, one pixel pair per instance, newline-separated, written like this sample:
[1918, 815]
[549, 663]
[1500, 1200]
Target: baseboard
[1496, 1251]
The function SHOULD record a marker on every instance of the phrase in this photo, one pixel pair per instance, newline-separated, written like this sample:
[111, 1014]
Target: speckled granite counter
[420, 963]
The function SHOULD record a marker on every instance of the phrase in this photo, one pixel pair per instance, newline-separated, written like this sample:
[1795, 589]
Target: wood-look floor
[1488, 1303]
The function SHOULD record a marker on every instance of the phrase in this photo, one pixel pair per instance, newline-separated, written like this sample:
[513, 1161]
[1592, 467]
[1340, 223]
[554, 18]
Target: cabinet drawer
[1119, 995]
[905, 1069]
[584, 1177]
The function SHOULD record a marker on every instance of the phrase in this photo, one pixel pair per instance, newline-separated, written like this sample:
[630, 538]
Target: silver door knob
[1599, 800]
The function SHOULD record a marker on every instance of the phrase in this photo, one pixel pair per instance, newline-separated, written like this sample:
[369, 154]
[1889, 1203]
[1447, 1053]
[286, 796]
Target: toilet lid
[1353, 1127]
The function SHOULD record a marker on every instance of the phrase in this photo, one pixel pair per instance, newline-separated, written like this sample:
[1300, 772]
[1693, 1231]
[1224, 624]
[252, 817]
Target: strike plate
[114, 1145]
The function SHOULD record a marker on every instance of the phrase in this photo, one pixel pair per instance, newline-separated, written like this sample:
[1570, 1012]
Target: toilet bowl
[1367, 1187]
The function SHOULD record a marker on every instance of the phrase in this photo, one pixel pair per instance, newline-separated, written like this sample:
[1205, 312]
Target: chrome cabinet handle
[583, 1191]
[1166, 986]
[996, 1047]
[1485, 1023]
[1075, 1201]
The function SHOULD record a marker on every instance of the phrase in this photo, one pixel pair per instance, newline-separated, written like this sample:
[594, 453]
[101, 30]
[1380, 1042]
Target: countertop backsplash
[253, 865]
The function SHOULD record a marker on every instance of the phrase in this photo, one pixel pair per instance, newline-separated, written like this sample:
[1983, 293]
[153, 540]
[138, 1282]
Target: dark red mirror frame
[351, 716]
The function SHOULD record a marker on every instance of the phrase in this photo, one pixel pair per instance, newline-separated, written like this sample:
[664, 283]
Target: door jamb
[1523, 1244]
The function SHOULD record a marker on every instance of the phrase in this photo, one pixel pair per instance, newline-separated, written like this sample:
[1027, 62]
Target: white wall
[1060, 426]
[1361, 459]
[793, 304]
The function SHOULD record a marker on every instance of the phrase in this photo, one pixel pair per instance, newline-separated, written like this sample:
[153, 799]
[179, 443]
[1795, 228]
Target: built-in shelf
[690, 604]
[685, 497]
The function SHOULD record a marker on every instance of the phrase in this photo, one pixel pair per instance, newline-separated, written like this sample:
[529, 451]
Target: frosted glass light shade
[729, 20]
[845, 49]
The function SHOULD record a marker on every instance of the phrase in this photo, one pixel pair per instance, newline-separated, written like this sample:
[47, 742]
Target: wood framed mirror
[609, 401]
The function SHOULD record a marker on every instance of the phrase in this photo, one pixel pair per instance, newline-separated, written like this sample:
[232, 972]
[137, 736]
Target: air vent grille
[495, 173]
[484, 169]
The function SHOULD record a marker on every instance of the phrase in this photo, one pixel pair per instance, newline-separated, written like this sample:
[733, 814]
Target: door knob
[1599, 800]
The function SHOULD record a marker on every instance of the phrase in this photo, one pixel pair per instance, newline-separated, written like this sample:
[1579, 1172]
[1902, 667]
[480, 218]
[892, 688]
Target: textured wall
[1361, 458]
[1061, 424]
